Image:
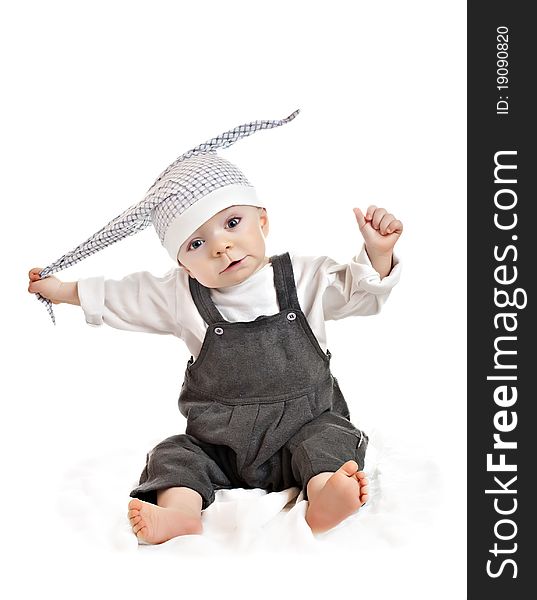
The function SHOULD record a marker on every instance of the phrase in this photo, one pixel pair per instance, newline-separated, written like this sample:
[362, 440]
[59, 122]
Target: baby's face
[235, 233]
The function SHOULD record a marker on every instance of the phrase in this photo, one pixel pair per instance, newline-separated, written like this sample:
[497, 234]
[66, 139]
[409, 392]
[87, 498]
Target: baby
[262, 407]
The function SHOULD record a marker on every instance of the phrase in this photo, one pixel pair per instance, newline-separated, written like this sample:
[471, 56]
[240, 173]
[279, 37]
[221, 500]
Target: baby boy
[261, 404]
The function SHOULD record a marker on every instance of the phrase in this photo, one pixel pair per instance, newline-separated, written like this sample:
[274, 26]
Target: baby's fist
[379, 228]
[47, 287]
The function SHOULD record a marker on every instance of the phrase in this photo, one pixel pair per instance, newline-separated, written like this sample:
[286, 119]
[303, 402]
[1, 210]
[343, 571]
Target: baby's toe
[348, 468]
[135, 520]
[135, 504]
[362, 479]
[138, 527]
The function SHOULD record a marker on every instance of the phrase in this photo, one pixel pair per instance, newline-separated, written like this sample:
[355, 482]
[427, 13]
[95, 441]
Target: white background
[98, 98]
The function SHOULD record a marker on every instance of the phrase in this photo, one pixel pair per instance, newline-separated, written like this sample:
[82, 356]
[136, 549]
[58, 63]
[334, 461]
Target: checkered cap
[173, 204]
[178, 211]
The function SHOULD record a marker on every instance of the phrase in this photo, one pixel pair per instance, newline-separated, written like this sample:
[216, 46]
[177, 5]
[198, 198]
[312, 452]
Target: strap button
[291, 316]
[218, 330]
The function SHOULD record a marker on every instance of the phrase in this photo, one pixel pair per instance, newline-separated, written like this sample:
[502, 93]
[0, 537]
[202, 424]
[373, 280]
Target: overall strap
[284, 281]
[204, 303]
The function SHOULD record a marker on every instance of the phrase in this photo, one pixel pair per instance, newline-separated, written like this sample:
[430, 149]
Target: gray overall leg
[183, 461]
[324, 444]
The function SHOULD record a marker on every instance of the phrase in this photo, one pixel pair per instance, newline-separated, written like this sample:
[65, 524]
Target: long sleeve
[138, 302]
[356, 288]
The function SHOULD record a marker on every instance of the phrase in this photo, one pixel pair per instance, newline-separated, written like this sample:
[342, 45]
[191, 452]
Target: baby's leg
[326, 455]
[179, 481]
[178, 512]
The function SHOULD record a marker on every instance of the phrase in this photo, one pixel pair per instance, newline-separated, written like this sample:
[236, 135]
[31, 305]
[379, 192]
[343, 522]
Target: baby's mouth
[235, 262]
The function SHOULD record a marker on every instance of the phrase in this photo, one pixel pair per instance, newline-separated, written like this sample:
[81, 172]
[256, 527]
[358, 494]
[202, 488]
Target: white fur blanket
[404, 490]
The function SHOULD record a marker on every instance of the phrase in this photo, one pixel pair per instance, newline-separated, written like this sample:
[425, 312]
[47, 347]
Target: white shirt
[326, 291]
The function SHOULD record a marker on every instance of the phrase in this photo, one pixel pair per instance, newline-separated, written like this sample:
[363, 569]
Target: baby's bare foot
[155, 524]
[341, 496]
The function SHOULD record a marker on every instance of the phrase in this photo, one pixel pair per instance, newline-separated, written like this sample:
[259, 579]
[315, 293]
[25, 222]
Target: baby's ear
[263, 216]
[183, 267]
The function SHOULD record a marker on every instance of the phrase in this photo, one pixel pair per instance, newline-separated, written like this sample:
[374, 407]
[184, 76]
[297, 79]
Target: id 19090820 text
[502, 70]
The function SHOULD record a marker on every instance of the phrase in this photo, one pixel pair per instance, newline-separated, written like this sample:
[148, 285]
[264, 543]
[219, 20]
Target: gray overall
[262, 408]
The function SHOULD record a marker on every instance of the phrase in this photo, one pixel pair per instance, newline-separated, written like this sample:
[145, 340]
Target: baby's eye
[192, 246]
[231, 221]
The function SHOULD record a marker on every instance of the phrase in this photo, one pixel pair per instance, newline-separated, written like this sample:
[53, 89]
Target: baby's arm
[138, 302]
[52, 288]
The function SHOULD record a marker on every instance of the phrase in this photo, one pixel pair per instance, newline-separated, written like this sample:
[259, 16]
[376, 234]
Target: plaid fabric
[187, 182]
[190, 177]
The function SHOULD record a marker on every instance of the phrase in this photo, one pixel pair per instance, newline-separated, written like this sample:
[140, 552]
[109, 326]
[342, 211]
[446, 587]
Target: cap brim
[195, 216]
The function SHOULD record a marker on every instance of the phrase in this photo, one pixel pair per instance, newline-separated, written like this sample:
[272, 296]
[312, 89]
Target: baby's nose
[222, 247]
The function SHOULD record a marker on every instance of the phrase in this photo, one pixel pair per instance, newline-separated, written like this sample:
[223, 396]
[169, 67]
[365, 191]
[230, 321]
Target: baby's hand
[379, 228]
[47, 287]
